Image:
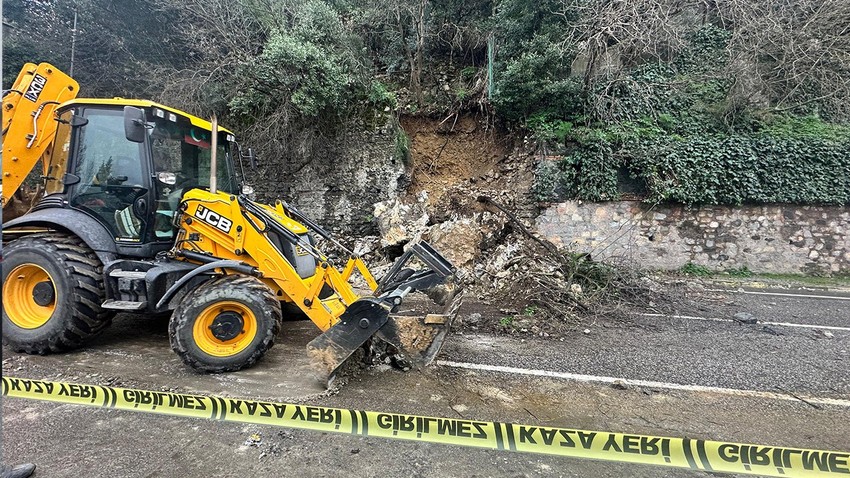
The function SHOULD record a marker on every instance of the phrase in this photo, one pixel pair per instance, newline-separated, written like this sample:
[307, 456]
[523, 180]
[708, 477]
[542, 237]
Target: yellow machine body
[224, 230]
[28, 120]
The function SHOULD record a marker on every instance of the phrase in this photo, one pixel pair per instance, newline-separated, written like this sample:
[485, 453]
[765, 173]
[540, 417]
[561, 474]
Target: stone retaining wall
[338, 182]
[779, 239]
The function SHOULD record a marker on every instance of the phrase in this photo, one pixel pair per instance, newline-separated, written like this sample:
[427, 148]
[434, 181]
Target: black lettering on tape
[385, 421]
[500, 442]
[703, 458]
[755, 458]
[354, 422]
[826, 461]
[631, 444]
[689, 453]
[786, 456]
[480, 433]
[318, 415]
[728, 452]
[446, 426]
[815, 459]
[423, 425]
[526, 435]
[760, 455]
[665, 449]
[403, 423]
[777, 460]
[611, 442]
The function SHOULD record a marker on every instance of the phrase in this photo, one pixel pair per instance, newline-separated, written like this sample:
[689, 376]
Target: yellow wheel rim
[19, 296]
[218, 331]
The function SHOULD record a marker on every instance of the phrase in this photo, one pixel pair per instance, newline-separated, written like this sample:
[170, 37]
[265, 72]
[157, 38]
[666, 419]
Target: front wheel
[226, 324]
[52, 293]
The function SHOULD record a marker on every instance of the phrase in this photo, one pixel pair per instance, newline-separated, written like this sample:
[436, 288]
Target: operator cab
[133, 185]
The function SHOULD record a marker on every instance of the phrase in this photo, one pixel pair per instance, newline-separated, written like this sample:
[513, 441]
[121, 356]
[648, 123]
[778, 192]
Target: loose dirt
[447, 153]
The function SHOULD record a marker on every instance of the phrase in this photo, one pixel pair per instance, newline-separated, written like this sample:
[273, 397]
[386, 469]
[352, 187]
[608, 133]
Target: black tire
[246, 296]
[76, 277]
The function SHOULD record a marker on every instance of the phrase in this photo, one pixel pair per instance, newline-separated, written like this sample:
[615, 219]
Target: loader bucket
[329, 351]
[411, 341]
[416, 340]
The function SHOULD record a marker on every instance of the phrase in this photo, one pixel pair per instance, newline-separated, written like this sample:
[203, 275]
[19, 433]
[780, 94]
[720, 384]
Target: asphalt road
[71, 441]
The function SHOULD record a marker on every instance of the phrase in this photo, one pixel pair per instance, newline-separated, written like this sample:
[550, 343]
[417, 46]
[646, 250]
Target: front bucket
[329, 351]
[417, 340]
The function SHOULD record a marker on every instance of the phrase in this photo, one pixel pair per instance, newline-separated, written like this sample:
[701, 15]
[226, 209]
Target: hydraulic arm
[28, 121]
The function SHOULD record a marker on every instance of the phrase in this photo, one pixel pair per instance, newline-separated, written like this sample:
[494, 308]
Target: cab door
[113, 175]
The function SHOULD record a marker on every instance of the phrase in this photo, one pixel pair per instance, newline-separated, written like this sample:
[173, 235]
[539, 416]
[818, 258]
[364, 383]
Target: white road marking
[647, 383]
[759, 322]
[780, 294]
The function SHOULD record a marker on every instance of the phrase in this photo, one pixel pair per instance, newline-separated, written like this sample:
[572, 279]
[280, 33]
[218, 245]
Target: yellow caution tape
[620, 447]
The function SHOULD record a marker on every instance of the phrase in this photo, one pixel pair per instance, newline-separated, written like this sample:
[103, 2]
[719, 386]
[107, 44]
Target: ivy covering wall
[681, 120]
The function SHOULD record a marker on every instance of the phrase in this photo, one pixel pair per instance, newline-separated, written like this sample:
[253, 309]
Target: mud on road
[669, 374]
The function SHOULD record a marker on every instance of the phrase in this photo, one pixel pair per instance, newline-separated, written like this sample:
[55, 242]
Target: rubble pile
[503, 263]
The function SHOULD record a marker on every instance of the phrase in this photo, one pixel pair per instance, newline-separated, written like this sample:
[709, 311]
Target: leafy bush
[675, 127]
[308, 67]
[695, 270]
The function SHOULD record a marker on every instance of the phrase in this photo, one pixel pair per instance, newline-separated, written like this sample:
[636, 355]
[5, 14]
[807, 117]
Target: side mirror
[252, 160]
[134, 124]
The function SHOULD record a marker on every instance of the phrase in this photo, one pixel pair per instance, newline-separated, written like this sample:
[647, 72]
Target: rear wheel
[225, 324]
[52, 292]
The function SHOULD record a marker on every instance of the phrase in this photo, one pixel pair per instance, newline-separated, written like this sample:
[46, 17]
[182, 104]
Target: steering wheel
[126, 194]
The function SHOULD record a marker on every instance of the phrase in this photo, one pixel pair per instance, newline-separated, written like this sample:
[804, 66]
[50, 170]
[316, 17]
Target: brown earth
[458, 150]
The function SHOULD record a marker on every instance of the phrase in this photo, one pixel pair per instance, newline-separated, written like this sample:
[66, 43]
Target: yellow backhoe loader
[137, 208]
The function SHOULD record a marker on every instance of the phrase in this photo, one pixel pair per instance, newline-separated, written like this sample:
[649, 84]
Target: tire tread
[85, 273]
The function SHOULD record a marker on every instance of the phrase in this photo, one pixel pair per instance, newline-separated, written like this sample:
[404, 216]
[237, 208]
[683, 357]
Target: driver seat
[127, 224]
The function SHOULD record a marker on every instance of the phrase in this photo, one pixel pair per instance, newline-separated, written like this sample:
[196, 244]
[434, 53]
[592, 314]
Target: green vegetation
[695, 270]
[678, 130]
[685, 101]
[402, 146]
[530, 310]
[818, 281]
[742, 271]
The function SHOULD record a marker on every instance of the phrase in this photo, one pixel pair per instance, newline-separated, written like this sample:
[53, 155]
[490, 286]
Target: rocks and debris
[400, 221]
[366, 244]
[746, 318]
[473, 318]
[273, 450]
[481, 219]
[556, 283]
[254, 440]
